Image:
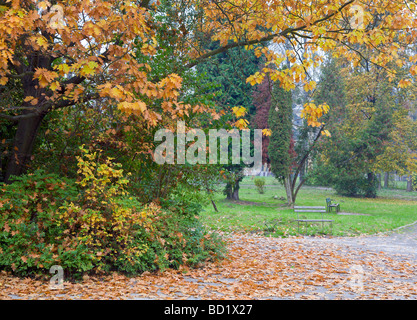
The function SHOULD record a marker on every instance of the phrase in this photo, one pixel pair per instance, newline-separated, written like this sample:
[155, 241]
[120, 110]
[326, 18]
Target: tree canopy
[136, 54]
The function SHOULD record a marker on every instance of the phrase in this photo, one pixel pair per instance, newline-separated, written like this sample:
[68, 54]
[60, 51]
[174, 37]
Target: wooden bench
[331, 205]
[307, 209]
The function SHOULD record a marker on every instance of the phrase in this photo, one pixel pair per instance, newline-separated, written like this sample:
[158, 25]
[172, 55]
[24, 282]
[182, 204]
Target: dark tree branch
[45, 108]
[283, 33]
[301, 164]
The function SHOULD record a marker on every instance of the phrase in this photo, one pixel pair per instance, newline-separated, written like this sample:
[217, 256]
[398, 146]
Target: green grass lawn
[263, 214]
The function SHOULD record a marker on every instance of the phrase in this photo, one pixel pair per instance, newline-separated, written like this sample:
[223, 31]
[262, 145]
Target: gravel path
[400, 243]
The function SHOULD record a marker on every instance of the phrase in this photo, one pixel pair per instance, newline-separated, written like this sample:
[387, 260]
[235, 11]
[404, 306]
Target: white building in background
[265, 171]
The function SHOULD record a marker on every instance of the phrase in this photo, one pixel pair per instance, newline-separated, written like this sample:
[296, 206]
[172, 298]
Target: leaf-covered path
[257, 268]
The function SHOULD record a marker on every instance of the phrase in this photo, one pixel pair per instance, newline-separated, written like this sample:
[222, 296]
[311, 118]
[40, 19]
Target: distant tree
[228, 72]
[280, 124]
[275, 112]
[262, 102]
[368, 126]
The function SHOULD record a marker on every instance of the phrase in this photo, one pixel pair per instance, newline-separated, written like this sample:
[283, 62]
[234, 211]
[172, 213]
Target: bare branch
[50, 105]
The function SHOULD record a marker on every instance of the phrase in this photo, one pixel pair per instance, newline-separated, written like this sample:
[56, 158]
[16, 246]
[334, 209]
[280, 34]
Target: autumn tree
[286, 164]
[400, 150]
[280, 124]
[68, 53]
[331, 90]
[366, 112]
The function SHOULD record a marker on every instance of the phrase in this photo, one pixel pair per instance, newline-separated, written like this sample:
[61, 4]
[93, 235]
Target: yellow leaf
[44, 76]
[309, 86]
[43, 5]
[241, 124]
[267, 132]
[28, 98]
[116, 93]
[404, 83]
[137, 107]
[89, 68]
[54, 85]
[239, 111]
[413, 70]
[43, 82]
[254, 79]
[64, 68]
[326, 133]
[42, 42]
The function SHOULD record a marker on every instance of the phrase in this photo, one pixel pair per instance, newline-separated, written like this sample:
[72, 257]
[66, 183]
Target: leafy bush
[93, 225]
[181, 240]
[28, 216]
[347, 182]
[320, 175]
[354, 185]
[347, 185]
[260, 184]
[185, 199]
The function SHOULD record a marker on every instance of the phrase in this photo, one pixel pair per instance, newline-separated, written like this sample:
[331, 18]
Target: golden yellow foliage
[97, 45]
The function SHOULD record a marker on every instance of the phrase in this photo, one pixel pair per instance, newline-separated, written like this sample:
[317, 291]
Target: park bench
[307, 209]
[331, 205]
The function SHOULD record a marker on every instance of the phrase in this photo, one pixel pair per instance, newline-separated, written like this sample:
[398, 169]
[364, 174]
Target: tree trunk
[410, 183]
[235, 194]
[379, 178]
[214, 206]
[288, 190]
[20, 157]
[233, 191]
[295, 190]
[386, 180]
[27, 128]
[209, 192]
[370, 191]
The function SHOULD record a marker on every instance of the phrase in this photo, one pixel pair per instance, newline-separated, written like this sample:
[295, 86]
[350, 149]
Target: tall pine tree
[280, 123]
[229, 71]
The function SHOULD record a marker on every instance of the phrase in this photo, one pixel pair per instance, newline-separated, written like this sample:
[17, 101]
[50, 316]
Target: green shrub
[185, 199]
[346, 182]
[28, 214]
[93, 225]
[354, 185]
[181, 240]
[347, 185]
[260, 184]
[321, 175]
